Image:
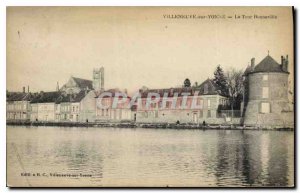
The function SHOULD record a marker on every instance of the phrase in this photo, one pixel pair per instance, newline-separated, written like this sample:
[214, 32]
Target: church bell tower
[98, 79]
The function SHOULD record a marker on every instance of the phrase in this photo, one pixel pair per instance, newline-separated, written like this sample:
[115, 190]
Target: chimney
[23, 89]
[252, 63]
[28, 89]
[287, 63]
[282, 61]
[57, 86]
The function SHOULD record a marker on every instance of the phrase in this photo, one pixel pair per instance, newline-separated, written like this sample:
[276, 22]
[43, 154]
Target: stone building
[107, 112]
[75, 85]
[76, 106]
[64, 104]
[87, 108]
[207, 96]
[18, 105]
[266, 101]
[70, 106]
[44, 106]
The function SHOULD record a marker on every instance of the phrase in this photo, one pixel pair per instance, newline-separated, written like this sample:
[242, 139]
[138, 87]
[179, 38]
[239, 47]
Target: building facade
[266, 101]
[201, 105]
[87, 107]
[44, 106]
[18, 106]
[108, 112]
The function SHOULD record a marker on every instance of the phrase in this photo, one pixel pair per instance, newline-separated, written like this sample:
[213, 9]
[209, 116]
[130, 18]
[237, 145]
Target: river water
[148, 157]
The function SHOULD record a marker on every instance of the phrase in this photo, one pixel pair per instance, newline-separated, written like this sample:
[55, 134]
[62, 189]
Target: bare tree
[234, 80]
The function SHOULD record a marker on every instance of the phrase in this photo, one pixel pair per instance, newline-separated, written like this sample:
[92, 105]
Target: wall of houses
[46, 111]
[114, 115]
[57, 112]
[33, 112]
[122, 112]
[17, 110]
[65, 111]
[88, 108]
[74, 112]
[207, 111]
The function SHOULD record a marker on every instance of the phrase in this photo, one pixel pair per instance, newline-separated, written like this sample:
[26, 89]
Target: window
[265, 92]
[106, 112]
[153, 105]
[156, 114]
[73, 109]
[208, 103]
[265, 107]
[201, 114]
[168, 104]
[265, 77]
[102, 113]
[208, 113]
[200, 102]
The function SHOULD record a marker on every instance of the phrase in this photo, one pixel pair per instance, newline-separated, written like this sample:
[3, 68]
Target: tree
[234, 79]
[187, 83]
[220, 80]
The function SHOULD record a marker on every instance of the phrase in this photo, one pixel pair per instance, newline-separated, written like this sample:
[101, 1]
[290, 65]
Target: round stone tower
[267, 103]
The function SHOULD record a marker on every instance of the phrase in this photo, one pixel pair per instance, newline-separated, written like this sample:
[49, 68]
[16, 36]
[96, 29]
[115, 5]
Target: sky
[138, 46]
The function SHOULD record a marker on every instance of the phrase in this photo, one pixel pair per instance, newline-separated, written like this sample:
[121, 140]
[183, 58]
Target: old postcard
[150, 97]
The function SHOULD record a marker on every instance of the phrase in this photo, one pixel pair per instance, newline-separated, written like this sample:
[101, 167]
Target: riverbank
[146, 125]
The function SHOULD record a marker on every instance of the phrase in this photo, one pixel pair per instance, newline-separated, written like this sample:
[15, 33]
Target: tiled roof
[79, 96]
[83, 83]
[46, 97]
[170, 91]
[73, 98]
[211, 88]
[63, 98]
[208, 87]
[268, 64]
[19, 96]
[112, 91]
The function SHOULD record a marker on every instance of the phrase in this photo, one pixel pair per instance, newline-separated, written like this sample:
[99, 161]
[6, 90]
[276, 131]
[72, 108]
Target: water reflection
[150, 157]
